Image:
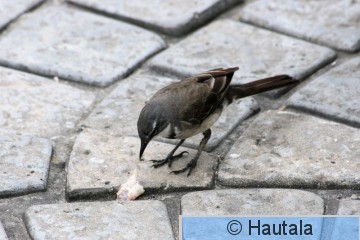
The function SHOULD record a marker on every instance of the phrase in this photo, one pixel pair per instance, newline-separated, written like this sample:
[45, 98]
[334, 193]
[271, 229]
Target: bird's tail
[243, 90]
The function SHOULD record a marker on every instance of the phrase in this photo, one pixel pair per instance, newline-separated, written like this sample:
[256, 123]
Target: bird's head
[150, 123]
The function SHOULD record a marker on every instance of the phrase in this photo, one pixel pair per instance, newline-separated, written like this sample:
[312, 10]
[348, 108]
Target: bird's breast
[168, 132]
[185, 129]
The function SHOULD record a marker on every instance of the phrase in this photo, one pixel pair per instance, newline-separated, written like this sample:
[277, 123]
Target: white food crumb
[131, 189]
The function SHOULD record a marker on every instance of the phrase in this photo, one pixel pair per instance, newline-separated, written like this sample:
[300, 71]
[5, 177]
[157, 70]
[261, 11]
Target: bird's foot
[168, 159]
[190, 166]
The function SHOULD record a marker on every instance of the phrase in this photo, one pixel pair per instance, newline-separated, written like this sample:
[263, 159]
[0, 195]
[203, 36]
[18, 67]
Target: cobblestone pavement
[74, 75]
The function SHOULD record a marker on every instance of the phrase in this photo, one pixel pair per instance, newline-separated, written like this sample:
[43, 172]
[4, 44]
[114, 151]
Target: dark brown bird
[191, 106]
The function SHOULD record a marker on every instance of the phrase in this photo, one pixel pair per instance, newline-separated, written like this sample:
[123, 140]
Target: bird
[191, 106]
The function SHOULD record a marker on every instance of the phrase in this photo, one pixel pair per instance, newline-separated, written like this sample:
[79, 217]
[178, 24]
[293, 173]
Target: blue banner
[270, 228]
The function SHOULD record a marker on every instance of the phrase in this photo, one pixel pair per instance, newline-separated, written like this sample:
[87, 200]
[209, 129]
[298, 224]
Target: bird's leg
[170, 157]
[191, 165]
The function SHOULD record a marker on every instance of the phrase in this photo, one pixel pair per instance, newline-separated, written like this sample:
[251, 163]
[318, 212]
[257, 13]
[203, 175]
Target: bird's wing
[203, 93]
[222, 79]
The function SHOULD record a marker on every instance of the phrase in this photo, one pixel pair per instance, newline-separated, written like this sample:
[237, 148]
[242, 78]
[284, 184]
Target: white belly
[166, 132]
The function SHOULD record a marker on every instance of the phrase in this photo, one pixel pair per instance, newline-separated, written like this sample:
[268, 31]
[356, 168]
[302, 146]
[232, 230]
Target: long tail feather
[259, 86]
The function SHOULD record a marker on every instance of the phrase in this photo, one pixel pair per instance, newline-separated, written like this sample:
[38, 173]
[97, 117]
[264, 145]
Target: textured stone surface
[171, 16]
[2, 233]
[259, 53]
[349, 207]
[252, 202]
[79, 46]
[24, 163]
[284, 149]
[62, 149]
[316, 21]
[122, 108]
[333, 94]
[100, 163]
[39, 106]
[99, 220]
[9, 10]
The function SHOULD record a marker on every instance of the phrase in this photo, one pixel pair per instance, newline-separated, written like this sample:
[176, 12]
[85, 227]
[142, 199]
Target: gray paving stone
[284, 149]
[78, 46]
[171, 17]
[99, 220]
[62, 146]
[252, 202]
[117, 114]
[349, 207]
[100, 163]
[259, 53]
[2, 233]
[316, 21]
[9, 10]
[333, 94]
[39, 106]
[24, 163]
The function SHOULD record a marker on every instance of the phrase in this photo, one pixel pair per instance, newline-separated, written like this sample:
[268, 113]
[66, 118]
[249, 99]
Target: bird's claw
[159, 163]
[190, 166]
[168, 160]
[180, 155]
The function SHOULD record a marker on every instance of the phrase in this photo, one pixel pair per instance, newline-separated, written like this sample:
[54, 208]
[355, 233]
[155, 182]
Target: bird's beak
[144, 143]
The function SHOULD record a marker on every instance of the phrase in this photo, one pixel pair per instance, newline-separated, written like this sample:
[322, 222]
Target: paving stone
[333, 94]
[9, 10]
[122, 108]
[170, 17]
[2, 233]
[78, 46]
[284, 149]
[24, 163]
[62, 147]
[259, 53]
[39, 106]
[100, 163]
[349, 207]
[99, 220]
[316, 21]
[252, 202]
